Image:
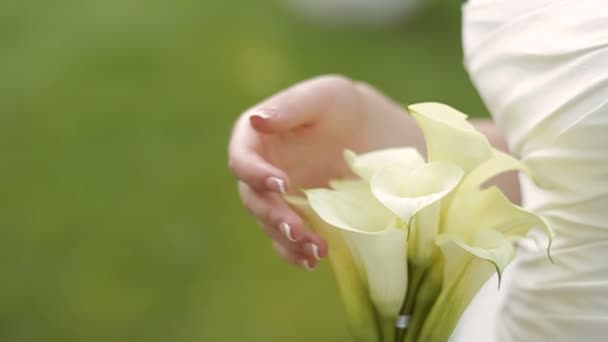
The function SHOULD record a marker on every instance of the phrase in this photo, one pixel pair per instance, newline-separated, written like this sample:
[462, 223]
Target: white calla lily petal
[383, 258]
[474, 209]
[366, 164]
[422, 233]
[488, 244]
[406, 192]
[353, 185]
[467, 267]
[449, 137]
[378, 248]
[354, 209]
[500, 162]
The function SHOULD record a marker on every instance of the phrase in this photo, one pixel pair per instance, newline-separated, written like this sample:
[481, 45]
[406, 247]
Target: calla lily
[414, 195]
[479, 225]
[360, 311]
[368, 253]
[415, 192]
[375, 237]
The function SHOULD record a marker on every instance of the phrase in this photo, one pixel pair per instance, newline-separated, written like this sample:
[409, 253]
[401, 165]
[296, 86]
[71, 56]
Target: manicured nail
[306, 264]
[261, 115]
[285, 228]
[276, 184]
[315, 250]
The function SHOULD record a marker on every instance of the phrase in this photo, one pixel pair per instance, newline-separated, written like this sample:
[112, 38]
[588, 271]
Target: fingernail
[276, 184]
[315, 250]
[285, 228]
[306, 264]
[261, 115]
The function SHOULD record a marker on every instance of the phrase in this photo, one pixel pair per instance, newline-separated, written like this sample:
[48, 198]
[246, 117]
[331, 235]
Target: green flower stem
[387, 326]
[400, 334]
[427, 294]
[417, 275]
[439, 326]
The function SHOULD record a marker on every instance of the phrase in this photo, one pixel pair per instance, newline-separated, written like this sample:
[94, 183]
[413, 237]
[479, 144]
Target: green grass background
[118, 218]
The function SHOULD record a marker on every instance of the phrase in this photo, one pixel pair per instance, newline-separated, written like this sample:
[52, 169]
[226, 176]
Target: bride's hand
[297, 139]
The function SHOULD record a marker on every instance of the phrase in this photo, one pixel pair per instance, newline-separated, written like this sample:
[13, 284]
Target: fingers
[284, 226]
[302, 104]
[305, 255]
[270, 209]
[293, 257]
[247, 163]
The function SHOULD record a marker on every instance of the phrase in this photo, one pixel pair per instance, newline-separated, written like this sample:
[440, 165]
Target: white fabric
[541, 67]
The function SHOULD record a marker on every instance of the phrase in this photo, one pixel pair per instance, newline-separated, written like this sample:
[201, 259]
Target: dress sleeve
[541, 67]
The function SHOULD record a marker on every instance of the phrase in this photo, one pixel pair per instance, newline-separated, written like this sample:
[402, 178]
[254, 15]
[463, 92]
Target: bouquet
[413, 240]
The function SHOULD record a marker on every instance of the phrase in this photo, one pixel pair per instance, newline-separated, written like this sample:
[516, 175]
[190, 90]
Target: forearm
[388, 123]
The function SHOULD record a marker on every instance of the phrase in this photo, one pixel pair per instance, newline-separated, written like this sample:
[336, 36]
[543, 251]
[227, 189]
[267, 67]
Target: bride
[541, 67]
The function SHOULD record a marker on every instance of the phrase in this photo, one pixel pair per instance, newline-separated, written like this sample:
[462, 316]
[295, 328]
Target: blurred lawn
[118, 218]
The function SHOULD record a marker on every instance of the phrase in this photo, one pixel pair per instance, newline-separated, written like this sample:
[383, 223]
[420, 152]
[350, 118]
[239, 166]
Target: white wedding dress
[541, 67]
